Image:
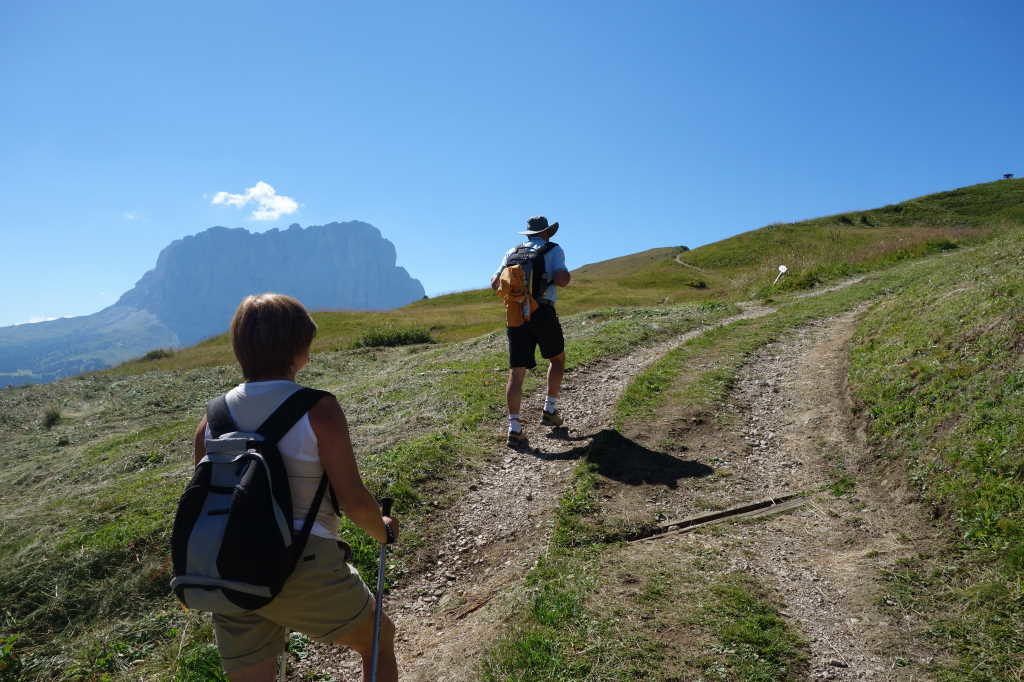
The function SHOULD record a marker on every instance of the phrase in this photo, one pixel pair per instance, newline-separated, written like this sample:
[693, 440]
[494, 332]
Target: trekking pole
[385, 504]
[282, 660]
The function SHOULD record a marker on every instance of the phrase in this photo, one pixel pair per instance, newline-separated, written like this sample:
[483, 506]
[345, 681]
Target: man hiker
[544, 263]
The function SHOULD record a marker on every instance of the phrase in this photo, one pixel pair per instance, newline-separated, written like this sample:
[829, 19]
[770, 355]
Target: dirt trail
[679, 259]
[825, 559]
[447, 616]
[789, 426]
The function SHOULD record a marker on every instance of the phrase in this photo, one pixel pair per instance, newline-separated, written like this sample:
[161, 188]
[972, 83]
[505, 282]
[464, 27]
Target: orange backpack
[522, 281]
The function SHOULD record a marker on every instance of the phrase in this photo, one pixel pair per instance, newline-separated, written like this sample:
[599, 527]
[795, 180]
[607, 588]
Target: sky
[127, 125]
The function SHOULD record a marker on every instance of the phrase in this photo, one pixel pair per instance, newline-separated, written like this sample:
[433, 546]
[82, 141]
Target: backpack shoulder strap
[289, 413]
[540, 278]
[218, 417]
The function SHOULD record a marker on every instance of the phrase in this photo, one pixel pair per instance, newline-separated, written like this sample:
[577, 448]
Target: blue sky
[447, 124]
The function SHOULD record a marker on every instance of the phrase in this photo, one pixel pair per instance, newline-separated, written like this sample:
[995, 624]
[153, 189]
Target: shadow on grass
[626, 461]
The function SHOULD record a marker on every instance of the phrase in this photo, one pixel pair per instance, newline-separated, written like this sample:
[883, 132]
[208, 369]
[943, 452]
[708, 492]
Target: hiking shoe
[551, 418]
[517, 439]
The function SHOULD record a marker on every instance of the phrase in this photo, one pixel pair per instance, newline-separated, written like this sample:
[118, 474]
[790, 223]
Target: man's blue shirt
[554, 260]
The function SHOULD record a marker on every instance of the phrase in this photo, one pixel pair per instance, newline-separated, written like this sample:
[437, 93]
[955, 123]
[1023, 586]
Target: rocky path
[794, 410]
[789, 426]
[448, 615]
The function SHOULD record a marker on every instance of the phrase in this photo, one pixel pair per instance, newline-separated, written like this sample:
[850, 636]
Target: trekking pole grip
[385, 510]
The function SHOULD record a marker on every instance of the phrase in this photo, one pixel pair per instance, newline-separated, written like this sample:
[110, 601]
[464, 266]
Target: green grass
[560, 636]
[392, 336]
[200, 663]
[89, 547]
[940, 371]
[757, 644]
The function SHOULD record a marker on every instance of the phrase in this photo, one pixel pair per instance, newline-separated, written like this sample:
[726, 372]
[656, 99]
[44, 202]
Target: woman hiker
[324, 597]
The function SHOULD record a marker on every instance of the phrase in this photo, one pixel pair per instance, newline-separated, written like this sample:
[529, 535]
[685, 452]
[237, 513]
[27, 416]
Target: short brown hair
[267, 332]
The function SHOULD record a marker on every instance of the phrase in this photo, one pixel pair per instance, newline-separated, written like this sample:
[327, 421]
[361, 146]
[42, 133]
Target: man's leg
[555, 371]
[514, 389]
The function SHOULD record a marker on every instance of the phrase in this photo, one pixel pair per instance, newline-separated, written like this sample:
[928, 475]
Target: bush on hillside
[393, 336]
[937, 245]
[51, 418]
[158, 354]
[10, 663]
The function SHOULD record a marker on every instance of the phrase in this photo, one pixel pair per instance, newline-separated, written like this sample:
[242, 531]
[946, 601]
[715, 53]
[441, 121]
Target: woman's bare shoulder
[326, 411]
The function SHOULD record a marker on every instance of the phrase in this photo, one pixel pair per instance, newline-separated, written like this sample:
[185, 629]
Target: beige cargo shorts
[322, 599]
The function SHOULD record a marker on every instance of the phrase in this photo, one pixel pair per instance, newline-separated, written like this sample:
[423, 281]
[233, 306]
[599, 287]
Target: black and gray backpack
[233, 545]
[531, 261]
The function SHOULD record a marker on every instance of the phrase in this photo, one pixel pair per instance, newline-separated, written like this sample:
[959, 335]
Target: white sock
[549, 404]
[513, 424]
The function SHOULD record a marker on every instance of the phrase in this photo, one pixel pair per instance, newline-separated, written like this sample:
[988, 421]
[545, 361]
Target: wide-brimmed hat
[538, 224]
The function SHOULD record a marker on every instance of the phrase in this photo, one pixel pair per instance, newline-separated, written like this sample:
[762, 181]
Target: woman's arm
[199, 442]
[338, 460]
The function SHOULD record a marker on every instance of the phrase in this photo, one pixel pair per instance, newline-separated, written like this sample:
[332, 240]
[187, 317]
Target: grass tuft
[200, 663]
[158, 354]
[758, 644]
[389, 336]
[51, 418]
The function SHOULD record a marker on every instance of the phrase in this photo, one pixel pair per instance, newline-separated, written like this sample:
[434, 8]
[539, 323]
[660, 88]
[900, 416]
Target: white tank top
[250, 404]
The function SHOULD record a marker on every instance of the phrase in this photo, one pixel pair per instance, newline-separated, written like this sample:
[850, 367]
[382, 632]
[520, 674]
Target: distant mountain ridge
[196, 285]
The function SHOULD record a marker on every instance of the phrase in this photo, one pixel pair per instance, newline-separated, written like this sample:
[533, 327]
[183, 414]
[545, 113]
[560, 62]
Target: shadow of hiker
[629, 462]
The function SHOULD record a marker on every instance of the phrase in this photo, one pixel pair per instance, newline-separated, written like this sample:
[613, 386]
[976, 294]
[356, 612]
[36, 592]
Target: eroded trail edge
[790, 425]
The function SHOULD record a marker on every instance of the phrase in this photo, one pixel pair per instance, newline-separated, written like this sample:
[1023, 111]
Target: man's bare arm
[562, 278]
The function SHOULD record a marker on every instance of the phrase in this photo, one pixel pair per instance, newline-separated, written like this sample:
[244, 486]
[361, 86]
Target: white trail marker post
[782, 271]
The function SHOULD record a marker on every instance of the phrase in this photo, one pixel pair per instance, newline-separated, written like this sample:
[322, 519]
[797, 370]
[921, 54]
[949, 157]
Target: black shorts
[542, 330]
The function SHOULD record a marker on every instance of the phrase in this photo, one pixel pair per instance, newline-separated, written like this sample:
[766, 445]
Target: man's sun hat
[538, 224]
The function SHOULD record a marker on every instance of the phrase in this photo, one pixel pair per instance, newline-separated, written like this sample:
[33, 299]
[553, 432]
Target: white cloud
[269, 204]
[131, 215]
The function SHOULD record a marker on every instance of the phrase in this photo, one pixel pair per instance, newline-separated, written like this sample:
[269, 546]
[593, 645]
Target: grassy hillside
[92, 465]
[940, 372]
[741, 267]
[937, 365]
[95, 465]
